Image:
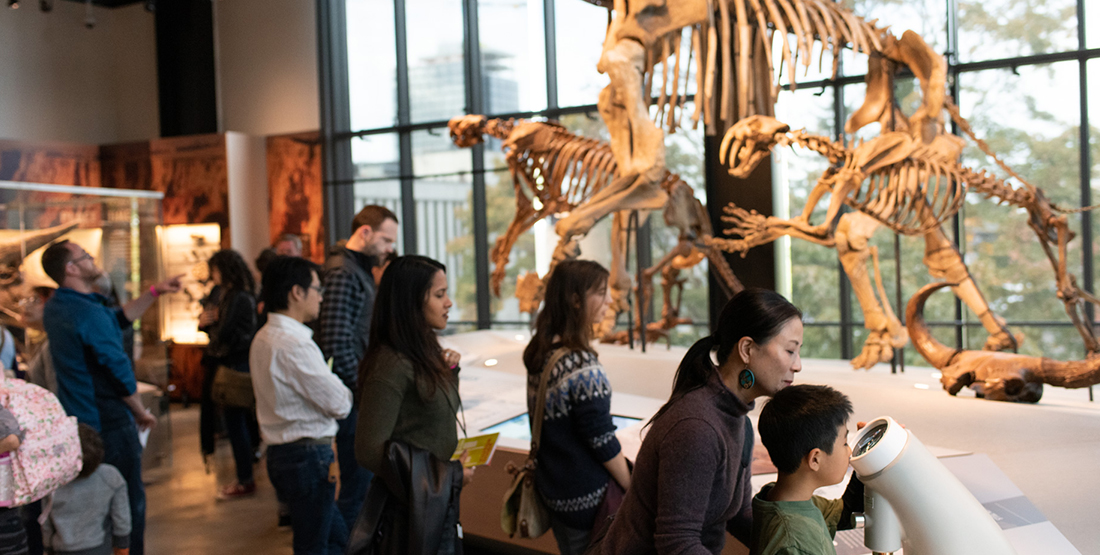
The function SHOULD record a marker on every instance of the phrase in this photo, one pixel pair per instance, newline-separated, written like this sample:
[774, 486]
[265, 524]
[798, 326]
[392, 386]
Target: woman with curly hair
[230, 325]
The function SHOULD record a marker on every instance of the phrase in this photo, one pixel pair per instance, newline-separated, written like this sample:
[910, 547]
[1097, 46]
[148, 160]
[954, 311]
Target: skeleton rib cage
[567, 170]
[740, 37]
[913, 196]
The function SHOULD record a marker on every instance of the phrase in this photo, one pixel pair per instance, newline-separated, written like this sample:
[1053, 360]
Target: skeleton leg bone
[944, 262]
[884, 331]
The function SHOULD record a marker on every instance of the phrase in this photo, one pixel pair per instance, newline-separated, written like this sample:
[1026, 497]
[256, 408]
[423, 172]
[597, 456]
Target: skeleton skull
[466, 131]
[749, 141]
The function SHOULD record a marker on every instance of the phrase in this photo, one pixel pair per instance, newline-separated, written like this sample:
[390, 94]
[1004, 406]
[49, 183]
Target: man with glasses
[344, 329]
[298, 402]
[95, 377]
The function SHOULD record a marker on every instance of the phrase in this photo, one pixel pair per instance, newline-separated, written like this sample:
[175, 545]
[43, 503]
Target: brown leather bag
[233, 388]
[523, 512]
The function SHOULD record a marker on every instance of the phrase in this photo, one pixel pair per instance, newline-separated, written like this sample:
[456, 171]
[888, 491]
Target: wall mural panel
[294, 184]
[54, 164]
[192, 173]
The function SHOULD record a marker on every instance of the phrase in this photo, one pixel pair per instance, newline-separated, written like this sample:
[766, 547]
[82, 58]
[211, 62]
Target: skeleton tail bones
[998, 376]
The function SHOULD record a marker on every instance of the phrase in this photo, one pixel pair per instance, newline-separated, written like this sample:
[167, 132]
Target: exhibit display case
[119, 228]
[185, 248]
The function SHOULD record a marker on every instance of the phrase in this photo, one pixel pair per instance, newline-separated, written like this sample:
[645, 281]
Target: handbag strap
[540, 400]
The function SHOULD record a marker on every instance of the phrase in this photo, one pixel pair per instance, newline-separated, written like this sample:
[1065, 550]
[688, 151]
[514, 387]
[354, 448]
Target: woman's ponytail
[693, 372]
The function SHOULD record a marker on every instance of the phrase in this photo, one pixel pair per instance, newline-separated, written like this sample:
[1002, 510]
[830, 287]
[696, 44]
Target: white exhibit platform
[1032, 466]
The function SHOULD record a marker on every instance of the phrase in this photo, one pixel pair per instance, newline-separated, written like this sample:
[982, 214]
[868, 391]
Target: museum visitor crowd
[335, 375]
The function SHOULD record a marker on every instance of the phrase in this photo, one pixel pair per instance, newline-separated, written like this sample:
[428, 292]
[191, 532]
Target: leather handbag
[523, 512]
[233, 388]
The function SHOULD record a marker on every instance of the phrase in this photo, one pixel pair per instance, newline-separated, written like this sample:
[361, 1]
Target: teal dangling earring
[746, 379]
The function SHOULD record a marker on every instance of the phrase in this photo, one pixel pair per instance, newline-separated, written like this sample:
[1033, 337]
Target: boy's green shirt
[794, 527]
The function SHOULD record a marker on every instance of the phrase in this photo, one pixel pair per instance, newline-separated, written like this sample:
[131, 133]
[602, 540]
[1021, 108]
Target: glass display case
[184, 250]
[118, 227]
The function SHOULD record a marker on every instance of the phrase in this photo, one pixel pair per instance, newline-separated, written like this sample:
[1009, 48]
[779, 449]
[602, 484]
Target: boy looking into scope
[805, 429]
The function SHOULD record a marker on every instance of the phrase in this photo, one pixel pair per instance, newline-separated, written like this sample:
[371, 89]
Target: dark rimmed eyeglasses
[81, 258]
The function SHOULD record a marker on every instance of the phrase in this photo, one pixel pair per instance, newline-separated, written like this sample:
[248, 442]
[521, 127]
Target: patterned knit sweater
[578, 436]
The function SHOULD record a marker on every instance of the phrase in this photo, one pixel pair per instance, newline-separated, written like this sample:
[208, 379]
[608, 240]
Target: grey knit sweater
[690, 460]
[86, 510]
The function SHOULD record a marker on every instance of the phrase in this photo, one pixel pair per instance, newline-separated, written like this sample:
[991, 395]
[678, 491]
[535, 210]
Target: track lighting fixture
[13, 4]
[45, 5]
[89, 15]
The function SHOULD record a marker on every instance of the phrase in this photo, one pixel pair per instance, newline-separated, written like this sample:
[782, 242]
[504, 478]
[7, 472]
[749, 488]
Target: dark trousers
[34, 530]
[354, 479]
[13, 536]
[208, 410]
[122, 450]
[300, 473]
[236, 425]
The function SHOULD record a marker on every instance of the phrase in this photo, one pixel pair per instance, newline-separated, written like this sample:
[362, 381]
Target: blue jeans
[236, 426]
[122, 449]
[571, 541]
[354, 479]
[300, 474]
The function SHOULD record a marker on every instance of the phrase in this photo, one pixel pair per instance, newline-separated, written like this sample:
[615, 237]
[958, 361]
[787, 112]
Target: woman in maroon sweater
[689, 486]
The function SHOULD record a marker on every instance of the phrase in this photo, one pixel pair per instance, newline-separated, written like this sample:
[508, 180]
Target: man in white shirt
[298, 400]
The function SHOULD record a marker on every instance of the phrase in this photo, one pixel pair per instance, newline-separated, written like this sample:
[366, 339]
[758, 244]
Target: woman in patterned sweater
[578, 456]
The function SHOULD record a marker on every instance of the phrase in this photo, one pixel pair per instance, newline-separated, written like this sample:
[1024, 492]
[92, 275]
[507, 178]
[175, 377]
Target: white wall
[267, 66]
[249, 230]
[62, 82]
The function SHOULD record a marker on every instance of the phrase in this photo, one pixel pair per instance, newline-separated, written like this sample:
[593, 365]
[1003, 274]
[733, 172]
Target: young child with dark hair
[91, 514]
[805, 429]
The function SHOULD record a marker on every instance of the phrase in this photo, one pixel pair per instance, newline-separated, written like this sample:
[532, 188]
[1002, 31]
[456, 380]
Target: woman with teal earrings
[691, 480]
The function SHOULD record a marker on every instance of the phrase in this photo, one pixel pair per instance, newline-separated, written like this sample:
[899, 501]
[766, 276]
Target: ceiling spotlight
[45, 5]
[13, 4]
[89, 15]
[150, 5]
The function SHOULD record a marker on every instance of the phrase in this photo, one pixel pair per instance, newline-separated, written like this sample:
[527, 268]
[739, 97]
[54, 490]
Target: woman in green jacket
[408, 383]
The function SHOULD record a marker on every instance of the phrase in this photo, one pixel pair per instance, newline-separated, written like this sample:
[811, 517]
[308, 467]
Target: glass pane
[684, 157]
[501, 203]
[907, 92]
[813, 268]
[820, 341]
[1092, 27]
[513, 55]
[586, 125]
[581, 28]
[444, 214]
[377, 174]
[1031, 121]
[1056, 342]
[372, 64]
[437, 78]
[927, 18]
[995, 29]
[1093, 68]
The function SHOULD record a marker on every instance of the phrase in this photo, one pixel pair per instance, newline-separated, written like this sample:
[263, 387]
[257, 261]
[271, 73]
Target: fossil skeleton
[739, 34]
[892, 180]
[555, 171]
[997, 376]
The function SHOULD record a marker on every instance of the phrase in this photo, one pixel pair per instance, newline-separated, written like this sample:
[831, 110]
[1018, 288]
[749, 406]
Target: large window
[413, 65]
[1022, 73]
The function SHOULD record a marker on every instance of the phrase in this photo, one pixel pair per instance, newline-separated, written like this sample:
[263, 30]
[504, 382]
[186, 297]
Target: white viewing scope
[911, 500]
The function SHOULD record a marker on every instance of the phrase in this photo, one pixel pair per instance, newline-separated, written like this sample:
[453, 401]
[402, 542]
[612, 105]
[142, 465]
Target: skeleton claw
[748, 142]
